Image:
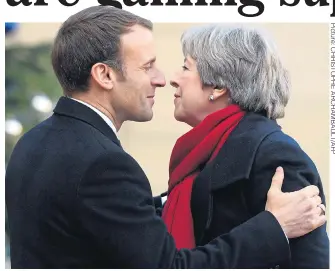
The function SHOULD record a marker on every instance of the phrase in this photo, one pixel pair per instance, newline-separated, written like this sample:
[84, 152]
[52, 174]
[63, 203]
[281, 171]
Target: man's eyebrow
[150, 61]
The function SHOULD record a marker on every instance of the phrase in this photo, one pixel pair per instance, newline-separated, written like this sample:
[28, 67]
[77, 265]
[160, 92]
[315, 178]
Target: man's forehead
[138, 32]
[138, 43]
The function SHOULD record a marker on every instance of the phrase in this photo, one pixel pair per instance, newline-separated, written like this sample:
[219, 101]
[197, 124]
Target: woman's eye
[184, 68]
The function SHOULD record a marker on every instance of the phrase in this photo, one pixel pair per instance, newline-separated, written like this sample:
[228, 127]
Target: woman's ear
[219, 92]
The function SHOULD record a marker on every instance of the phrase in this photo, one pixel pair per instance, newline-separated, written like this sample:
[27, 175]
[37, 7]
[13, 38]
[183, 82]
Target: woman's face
[191, 101]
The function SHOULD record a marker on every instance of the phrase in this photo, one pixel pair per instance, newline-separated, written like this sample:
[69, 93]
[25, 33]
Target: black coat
[240, 178]
[76, 199]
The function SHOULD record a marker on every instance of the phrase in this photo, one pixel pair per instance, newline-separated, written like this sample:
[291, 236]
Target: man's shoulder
[62, 141]
[72, 133]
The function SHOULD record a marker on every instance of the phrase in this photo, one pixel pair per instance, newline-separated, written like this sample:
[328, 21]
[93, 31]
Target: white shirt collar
[102, 115]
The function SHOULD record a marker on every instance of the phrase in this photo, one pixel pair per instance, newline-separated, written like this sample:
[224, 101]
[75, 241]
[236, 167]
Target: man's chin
[143, 118]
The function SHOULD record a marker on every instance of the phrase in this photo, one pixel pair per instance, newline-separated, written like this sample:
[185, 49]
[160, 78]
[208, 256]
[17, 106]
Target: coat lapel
[235, 159]
[73, 109]
[233, 163]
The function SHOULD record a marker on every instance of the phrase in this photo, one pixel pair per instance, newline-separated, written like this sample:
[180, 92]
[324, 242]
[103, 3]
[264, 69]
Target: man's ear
[103, 75]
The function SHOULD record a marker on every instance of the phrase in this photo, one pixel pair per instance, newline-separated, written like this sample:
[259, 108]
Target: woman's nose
[173, 82]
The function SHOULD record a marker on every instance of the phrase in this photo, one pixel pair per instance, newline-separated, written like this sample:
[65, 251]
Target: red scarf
[194, 149]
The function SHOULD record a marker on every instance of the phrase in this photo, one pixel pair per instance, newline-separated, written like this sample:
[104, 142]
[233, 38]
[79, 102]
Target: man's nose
[159, 80]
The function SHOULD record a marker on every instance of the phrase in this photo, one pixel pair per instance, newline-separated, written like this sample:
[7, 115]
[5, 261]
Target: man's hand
[298, 212]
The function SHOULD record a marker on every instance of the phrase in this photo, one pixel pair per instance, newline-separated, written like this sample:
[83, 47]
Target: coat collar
[73, 109]
[235, 159]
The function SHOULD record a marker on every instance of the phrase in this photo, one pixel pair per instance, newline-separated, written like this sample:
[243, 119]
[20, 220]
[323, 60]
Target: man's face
[134, 94]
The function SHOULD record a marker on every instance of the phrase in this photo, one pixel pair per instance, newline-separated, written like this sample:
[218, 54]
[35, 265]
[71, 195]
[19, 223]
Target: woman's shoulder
[280, 141]
[256, 124]
[264, 132]
[255, 142]
[280, 148]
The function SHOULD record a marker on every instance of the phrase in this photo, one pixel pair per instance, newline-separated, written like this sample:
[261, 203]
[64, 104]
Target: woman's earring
[211, 97]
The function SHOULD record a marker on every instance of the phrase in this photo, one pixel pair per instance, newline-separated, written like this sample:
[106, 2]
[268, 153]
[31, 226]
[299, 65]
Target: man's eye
[148, 67]
[184, 68]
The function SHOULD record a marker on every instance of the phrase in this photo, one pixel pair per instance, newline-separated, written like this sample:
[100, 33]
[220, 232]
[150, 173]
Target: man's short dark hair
[88, 37]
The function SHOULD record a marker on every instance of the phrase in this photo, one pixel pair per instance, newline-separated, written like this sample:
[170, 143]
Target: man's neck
[109, 112]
